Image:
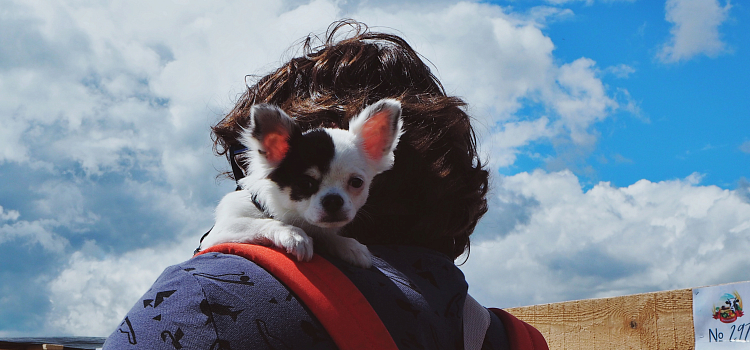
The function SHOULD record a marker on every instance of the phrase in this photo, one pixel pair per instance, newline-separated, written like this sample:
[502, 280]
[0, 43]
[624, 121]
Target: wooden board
[22, 346]
[650, 321]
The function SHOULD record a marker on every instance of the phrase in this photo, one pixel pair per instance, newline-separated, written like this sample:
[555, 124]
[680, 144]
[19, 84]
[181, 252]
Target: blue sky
[693, 115]
[617, 133]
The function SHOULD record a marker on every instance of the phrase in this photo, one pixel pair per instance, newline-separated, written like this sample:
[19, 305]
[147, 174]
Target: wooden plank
[601, 324]
[556, 338]
[525, 314]
[571, 325]
[651, 321]
[632, 326]
[22, 346]
[666, 306]
[33, 344]
[542, 320]
[587, 314]
[684, 332]
[25, 346]
[618, 322]
[647, 323]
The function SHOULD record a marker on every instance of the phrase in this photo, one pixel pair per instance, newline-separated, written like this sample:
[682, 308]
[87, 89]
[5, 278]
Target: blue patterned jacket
[220, 301]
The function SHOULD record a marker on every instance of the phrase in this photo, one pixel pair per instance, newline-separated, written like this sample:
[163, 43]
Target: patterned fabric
[221, 301]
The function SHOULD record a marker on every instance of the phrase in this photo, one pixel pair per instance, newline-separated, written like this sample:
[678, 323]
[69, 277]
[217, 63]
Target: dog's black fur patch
[312, 149]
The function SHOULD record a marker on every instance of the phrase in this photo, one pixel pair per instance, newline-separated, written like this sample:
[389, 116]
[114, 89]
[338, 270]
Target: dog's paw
[354, 253]
[295, 241]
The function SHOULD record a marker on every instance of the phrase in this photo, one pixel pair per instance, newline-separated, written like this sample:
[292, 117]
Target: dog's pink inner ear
[376, 134]
[276, 144]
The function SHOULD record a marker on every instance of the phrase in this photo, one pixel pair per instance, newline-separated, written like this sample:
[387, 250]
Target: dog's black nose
[332, 203]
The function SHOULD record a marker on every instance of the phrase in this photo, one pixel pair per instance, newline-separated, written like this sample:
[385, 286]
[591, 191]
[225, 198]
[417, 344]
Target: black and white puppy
[307, 183]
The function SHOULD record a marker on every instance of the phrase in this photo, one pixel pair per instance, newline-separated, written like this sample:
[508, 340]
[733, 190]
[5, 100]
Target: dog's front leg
[348, 249]
[268, 232]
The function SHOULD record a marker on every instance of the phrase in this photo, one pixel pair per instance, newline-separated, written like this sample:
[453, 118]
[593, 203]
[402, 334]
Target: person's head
[435, 193]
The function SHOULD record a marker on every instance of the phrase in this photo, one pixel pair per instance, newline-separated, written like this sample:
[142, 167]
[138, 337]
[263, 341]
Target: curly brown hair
[435, 193]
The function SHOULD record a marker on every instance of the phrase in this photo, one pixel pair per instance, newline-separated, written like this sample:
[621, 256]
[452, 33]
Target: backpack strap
[521, 335]
[334, 300]
[476, 321]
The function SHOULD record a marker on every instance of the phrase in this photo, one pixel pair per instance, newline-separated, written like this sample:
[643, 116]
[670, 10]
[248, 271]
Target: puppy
[303, 185]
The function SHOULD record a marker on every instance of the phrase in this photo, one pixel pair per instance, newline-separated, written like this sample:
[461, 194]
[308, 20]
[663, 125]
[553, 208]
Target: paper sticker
[719, 319]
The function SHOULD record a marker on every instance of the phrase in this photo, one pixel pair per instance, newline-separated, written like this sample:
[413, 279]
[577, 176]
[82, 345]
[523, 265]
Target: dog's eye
[356, 182]
[306, 183]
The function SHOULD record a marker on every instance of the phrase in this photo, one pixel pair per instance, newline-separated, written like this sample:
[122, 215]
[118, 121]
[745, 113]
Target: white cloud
[543, 15]
[92, 295]
[11, 146]
[64, 202]
[105, 92]
[573, 244]
[511, 136]
[122, 87]
[743, 189]
[500, 63]
[628, 103]
[92, 93]
[10, 215]
[60, 207]
[581, 99]
[30, 232]
[479, 52]
[588, 2]
[99, 283]
[745, 147]
[621, 70]
[695, 29]
[125, 89]
[34, 232]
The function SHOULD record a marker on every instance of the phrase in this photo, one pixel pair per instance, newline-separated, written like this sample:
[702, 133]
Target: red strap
[521, 335]
[326, 291]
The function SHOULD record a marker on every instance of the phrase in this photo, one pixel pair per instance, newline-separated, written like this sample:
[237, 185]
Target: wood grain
[650, 321]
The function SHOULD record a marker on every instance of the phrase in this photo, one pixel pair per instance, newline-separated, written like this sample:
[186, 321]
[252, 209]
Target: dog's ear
[377, 129]
[269, 132]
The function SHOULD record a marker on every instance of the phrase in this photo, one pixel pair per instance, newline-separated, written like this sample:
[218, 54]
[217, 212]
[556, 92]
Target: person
[416, 222]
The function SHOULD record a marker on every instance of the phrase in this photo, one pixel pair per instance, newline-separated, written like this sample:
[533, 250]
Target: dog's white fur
[363, 151]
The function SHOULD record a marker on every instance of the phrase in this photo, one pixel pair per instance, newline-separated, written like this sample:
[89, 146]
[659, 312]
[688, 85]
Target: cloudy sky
[618, 133]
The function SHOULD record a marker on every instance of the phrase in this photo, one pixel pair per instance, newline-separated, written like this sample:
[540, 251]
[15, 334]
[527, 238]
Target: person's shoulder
[190, 273]
[217, 300]
[169, 310]
[417, 293]
[211, 262]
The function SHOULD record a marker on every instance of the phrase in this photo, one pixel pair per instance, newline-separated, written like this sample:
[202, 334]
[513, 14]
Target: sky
[617, 134]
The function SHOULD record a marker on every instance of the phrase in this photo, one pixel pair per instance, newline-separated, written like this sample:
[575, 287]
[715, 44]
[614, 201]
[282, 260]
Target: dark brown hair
[435, 193]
